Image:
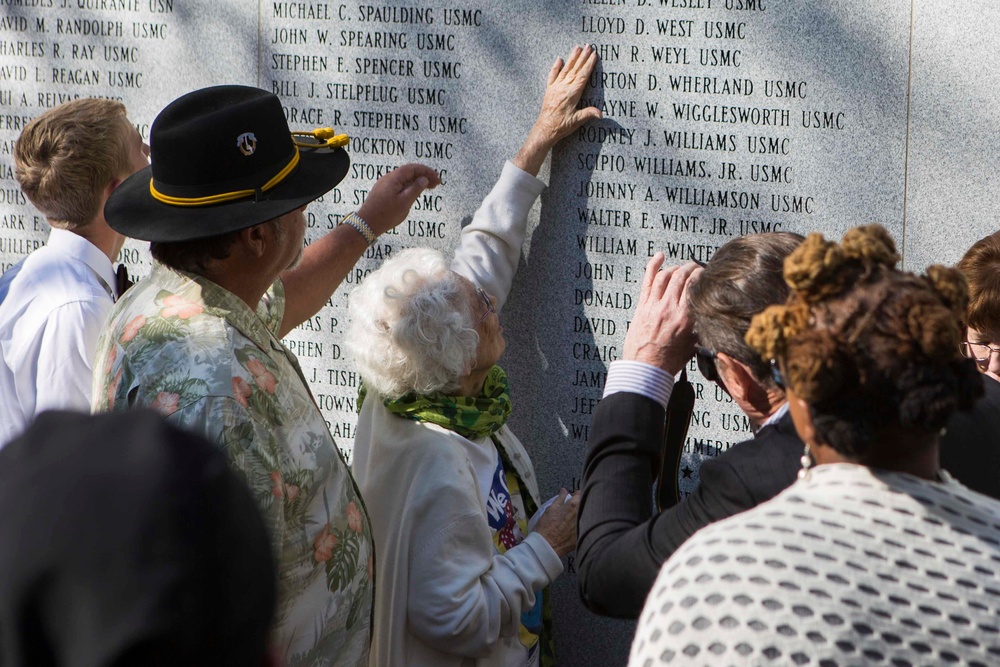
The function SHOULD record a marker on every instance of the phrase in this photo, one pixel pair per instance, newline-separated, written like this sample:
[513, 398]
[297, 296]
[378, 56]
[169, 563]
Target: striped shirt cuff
[639, 378]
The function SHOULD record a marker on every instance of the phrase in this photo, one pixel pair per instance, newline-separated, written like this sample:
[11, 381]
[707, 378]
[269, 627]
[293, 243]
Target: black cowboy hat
[223, 159]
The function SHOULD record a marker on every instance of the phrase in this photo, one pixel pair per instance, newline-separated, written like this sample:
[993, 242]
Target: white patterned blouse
[849, 566]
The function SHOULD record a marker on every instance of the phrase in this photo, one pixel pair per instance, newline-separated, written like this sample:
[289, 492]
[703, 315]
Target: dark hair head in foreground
[869, 348]
[126, 541]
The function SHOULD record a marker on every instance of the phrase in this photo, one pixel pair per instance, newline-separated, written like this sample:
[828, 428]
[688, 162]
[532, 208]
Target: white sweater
[443, 597]
[850, 566]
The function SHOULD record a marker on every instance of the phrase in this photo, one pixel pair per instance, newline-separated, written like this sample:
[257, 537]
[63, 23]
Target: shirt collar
[217, 301]
[776, 417]
[75, 246]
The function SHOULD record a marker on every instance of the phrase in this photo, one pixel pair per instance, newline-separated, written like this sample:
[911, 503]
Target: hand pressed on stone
[559, 115]
[661, 331]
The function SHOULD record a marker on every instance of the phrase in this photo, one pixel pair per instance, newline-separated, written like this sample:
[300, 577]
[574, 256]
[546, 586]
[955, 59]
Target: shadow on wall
[553, 386]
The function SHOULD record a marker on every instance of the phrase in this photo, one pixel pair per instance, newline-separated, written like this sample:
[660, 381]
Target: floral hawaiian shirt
[184, 346]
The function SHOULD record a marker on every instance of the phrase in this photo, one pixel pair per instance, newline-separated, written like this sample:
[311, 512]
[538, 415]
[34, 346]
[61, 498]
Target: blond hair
[65, 158]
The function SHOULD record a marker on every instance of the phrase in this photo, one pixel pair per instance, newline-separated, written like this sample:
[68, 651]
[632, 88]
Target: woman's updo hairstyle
[412, 327]
[865, 345]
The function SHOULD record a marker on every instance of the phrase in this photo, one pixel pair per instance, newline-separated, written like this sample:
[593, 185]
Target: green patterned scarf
[469, 416]
[476, 417]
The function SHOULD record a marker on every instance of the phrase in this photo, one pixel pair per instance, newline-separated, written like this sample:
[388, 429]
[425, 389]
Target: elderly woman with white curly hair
[449, 489]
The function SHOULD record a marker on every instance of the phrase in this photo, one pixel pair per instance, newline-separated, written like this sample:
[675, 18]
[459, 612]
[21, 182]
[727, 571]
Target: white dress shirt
[52, 309]
[638, 377]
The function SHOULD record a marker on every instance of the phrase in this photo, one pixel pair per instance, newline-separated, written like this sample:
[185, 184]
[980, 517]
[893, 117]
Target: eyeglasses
[981, 352]
[490, 310]
[706, 364]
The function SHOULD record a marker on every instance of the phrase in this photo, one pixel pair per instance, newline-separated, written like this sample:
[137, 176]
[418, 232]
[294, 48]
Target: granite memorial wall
[721, 118]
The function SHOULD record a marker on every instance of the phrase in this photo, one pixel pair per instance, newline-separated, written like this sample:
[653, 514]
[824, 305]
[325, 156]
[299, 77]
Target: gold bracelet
[362, 227]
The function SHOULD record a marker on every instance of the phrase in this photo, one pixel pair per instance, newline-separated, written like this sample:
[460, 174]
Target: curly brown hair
[867, 346]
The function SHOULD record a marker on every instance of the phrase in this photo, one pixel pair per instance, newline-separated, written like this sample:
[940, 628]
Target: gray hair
[744, 277]
[412, 326]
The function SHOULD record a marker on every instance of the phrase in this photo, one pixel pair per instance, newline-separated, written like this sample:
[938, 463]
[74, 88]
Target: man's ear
[741, 383]
[256, 239]
[108, 189]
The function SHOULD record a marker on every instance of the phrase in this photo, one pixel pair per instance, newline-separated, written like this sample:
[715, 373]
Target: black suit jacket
[970, 448]
[622, 542]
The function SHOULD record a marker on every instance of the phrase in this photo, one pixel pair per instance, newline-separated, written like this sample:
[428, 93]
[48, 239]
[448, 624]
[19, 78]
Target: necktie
[679, 409]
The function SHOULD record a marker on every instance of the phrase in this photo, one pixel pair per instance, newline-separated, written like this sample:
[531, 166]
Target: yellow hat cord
[326, 137]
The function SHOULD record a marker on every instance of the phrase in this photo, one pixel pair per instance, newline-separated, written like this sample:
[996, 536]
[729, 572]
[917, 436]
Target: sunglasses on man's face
[706, 364]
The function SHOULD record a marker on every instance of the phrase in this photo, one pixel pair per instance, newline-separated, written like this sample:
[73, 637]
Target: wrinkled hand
[558, 524]
[661, 332]
[391, 197]
[559, 115]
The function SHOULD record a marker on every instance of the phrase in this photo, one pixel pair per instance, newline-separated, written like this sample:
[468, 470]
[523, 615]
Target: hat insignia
[247, 143]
